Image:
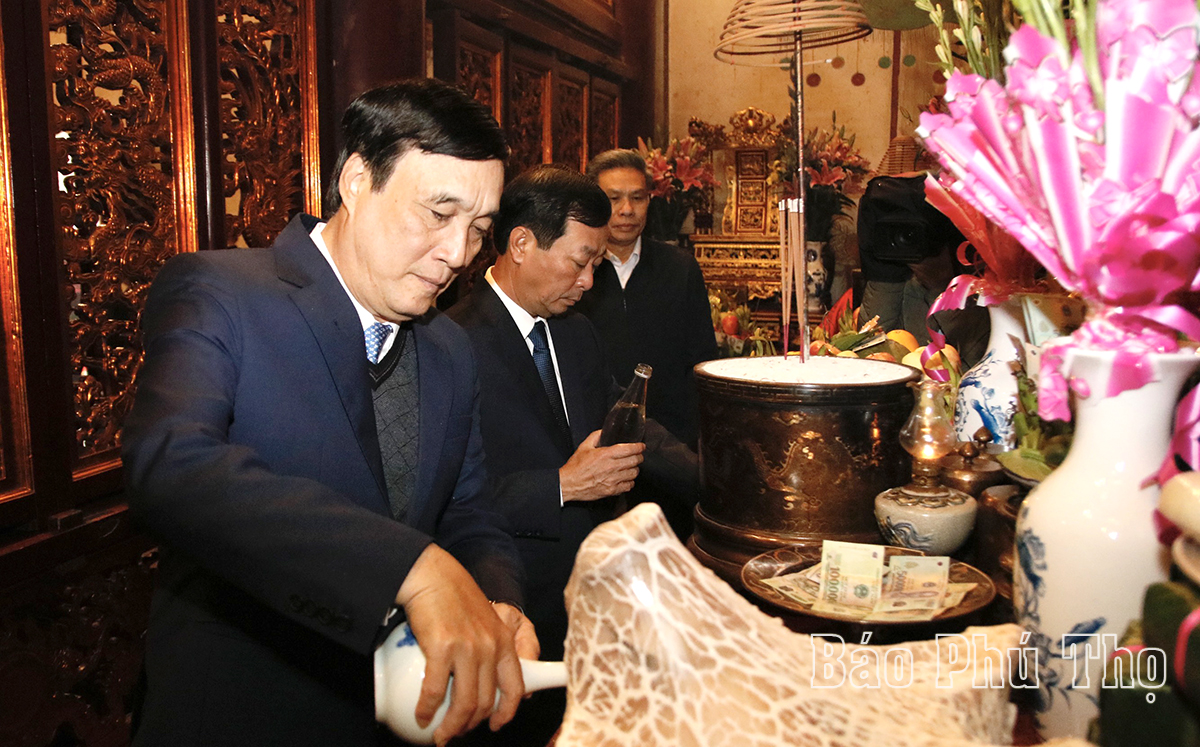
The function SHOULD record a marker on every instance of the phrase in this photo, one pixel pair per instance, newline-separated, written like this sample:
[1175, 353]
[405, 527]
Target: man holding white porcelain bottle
[305, 446]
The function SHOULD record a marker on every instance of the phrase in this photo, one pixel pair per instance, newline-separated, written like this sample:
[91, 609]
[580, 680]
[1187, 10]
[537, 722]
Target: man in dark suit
[305, 445]
[544, 394]
[649, 303]
[648, 300]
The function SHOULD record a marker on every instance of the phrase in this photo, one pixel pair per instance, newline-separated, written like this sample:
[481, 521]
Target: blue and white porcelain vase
[987, 393]
[1085, 540]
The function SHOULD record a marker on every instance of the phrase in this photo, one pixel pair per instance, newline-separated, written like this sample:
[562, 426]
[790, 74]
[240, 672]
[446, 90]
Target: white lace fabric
[660, 651]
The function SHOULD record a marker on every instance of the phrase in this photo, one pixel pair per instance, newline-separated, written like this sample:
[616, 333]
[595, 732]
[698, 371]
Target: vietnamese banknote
[795, 586]
[851, 578]
[914, 582]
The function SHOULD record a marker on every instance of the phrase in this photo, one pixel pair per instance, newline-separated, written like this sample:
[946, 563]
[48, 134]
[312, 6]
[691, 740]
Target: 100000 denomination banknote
[851, 578]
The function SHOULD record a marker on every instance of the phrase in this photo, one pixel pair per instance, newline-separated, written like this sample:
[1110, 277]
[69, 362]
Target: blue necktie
[376, 335]
[545, 367]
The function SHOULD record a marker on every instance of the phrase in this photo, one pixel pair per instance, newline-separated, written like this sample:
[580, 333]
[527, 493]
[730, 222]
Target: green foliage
[1041, 444]
[982, 33]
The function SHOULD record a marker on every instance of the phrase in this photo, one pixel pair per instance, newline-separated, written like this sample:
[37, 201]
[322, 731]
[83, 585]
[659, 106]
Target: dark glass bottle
[626, 421]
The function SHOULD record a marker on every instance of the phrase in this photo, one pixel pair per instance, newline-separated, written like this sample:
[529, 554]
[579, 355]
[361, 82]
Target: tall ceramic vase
[1085, 541]
[987, 393]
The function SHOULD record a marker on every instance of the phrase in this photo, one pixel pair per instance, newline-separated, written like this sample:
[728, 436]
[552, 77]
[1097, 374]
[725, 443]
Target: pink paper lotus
[1104, 193]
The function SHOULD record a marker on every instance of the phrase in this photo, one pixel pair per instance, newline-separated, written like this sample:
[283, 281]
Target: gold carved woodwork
[569, 133]
[732, 265]
[269, 133]
[743, 159]
[16, 459]
[750, 128]
[741, 256]
[121, 146]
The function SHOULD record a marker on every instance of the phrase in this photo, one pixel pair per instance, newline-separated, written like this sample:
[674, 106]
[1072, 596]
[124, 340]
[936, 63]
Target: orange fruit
[905, 338]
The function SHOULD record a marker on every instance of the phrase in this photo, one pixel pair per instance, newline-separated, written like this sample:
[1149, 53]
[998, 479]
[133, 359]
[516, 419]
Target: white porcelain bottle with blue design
[987, 393]
[400, 668]
[1086, 544]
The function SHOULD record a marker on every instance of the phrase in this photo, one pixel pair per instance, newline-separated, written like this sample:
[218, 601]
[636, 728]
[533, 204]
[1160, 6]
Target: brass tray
[791, 559]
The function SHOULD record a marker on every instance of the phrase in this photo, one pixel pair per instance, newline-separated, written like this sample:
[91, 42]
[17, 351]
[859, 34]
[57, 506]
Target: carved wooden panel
[122, 149]
[569, 130]
[476, 61]
[15, 457]
[602, 117]
[470, 57]
[70, 652]
[269, 137]
[479, 71]
[529, 91]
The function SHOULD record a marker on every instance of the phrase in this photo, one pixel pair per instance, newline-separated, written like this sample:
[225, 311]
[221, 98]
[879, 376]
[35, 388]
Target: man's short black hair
[383, 124]
[543, 199]
[617, 159]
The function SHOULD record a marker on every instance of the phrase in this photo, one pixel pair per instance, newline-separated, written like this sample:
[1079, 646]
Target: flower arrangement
[1087, 155]
[1001, 266]
[834, 172]
[681, 177]
[737, 334]
[830, 159]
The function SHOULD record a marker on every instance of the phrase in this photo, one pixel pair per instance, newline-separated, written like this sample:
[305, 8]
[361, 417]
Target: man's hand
[524, 636]
[595, 472]
[461, 635]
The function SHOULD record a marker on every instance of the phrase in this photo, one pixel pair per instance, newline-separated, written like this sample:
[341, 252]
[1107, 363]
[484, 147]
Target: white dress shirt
[525, 321]
[365, 317]
[625, 269]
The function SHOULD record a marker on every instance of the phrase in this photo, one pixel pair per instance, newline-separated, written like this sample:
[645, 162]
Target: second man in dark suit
[544, 393]
[540, 430]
